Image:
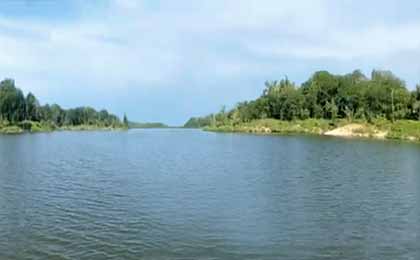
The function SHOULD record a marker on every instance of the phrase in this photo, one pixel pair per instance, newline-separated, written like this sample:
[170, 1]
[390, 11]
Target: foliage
[18, 111]
[353, 96]
[146, 125]
[309, 126]
[199, 122]
[125, 121]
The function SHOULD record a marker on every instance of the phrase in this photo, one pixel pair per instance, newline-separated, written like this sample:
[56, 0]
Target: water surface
[187, 194]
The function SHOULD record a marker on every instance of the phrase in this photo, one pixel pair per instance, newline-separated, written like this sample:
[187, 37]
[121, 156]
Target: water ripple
[182, 194]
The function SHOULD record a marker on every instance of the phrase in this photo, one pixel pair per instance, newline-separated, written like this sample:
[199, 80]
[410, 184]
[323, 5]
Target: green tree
[32, 107]
[332, 109]
[12, 102]
[125, 121]
[329, 96]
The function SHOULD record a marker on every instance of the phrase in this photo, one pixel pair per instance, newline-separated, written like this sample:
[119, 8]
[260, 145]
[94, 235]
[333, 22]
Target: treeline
[326, 96]
[16, 108]
[199, 122]
[147, 125]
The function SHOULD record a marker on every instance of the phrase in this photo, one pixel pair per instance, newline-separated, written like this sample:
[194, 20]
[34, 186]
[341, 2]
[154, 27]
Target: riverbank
[378, 129]
[43, 127]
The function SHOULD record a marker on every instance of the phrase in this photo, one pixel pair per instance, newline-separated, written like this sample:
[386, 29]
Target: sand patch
[356, 130]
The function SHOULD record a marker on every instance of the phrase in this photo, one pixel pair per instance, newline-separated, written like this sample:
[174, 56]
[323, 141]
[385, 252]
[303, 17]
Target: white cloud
[374, 42]
[148, 44]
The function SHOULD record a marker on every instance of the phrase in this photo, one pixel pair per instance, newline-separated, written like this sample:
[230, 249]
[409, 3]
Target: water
[187, 194]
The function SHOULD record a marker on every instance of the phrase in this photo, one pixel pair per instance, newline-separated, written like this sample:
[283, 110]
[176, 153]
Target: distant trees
[15, 108]
[146, 125]
[125, 121]
[324, 95]
[198, 122]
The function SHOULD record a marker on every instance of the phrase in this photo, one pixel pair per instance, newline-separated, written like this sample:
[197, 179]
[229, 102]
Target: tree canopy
[328, 96]
[15, 108]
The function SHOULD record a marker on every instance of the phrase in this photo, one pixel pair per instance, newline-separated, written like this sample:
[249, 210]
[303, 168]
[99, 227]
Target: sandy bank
[357, 130]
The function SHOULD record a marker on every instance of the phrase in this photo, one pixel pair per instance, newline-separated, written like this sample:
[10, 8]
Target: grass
[399, 130]
[40, 127]
[402, 130]
[36, 127]
[272, 126]
[90, 128]
[9, 130]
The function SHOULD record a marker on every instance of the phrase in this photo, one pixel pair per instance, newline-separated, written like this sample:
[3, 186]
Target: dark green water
[186, 194]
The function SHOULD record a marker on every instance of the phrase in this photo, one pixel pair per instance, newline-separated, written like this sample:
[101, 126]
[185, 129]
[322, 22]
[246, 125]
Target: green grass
[36, 127]
[400, 130]
[403, 130]
[9, 130]
[40, 127]
[310, 126]
[90, 128]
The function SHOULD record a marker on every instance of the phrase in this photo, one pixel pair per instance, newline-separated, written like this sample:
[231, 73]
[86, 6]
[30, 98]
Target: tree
[416, 109]
[12, 102]
[332, 109]
[285, 102]
[415, 103]
[15, 108]
[57, 115]
[32, 107]
[125, 121]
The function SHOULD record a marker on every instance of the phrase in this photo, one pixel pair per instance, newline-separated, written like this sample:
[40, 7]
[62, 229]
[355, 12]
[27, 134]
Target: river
[189, 194]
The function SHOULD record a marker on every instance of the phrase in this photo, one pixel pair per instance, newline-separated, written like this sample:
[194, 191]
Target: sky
[165, 60]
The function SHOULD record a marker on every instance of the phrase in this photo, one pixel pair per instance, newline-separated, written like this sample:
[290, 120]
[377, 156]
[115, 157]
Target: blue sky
[165, 60]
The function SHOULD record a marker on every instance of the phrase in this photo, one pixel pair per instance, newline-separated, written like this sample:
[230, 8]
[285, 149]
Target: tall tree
[12, 102]
[125, 121]
[32, 107]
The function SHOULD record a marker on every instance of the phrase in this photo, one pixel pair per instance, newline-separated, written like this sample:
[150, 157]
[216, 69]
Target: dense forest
[326, 96]
[22, 111]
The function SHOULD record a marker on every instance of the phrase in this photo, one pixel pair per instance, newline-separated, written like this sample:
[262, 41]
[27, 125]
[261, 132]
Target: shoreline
[16, 130]
[404, 130]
